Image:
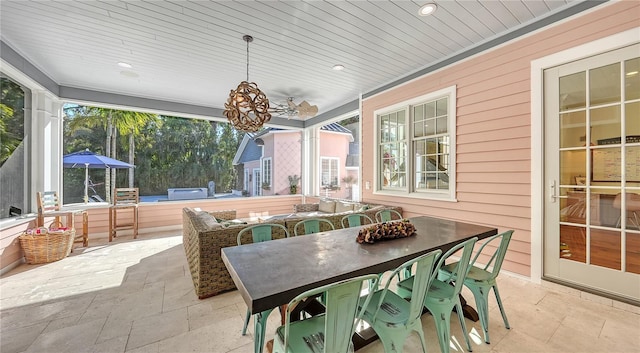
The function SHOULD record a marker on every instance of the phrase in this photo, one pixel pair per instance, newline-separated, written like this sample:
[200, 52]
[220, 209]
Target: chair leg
[463, 324]
[246, 322]
[135, 223]
[442, 319]
[111, 212]
[481, 295]
[504, 314]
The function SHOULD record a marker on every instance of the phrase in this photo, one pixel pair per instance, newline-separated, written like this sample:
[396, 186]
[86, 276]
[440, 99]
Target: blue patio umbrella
[87, 159]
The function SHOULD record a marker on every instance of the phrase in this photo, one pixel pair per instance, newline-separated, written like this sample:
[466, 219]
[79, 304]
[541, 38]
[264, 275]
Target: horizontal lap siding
[493, 128]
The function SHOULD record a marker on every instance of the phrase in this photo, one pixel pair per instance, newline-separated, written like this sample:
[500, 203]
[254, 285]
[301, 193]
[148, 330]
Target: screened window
[329, 172]
[425, 129]
[14, 172]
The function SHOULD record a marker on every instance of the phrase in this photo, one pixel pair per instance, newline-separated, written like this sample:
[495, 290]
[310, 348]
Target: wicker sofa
[203, 237]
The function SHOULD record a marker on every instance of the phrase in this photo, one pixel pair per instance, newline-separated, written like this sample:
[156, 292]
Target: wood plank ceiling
[192, 51]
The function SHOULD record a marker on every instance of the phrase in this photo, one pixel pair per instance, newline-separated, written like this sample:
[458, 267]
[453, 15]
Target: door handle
[554, 192]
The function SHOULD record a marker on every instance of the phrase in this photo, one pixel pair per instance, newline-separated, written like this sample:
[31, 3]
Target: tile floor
[137, 296]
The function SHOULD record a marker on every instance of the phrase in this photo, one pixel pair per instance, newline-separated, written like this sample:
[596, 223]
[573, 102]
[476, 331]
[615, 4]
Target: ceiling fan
[290, 109]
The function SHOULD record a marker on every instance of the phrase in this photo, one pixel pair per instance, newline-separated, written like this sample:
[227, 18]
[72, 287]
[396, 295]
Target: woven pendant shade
[247, 107]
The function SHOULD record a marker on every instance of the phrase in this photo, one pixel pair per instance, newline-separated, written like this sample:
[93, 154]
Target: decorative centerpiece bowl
[386, 231]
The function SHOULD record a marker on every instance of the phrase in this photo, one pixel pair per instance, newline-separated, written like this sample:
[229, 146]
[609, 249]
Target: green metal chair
[312, 225]
[329, 332]
[443, 294]
[355, 220]
[259, 233]
[391, 316]
[387, 215]
[480, 280]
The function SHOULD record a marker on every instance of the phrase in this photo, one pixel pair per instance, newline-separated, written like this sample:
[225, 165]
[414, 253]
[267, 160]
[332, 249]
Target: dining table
[270, 274]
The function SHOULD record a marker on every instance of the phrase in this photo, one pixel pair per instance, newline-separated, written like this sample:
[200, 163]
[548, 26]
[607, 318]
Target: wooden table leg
[85, 229]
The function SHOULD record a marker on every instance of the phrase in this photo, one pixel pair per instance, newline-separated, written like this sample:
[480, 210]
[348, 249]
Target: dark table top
[271, 273]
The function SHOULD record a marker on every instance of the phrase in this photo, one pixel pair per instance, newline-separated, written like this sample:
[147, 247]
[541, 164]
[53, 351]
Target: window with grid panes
[423, 128]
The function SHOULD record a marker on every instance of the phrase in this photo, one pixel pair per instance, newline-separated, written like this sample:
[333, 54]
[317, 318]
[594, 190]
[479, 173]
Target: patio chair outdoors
[259, 233]
[480, 280]
[387, 215]
[391, 316]
[330, 332]
[124, 199]
[443, 294]
[312, 226]
[49, 206]
[355, 220]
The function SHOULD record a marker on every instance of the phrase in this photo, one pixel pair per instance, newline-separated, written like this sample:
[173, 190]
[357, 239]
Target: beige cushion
[343, 207]
[327, 206]
[207, 220]
[362, 208]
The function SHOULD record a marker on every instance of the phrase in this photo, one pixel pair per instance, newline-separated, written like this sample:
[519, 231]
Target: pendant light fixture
[247, 107]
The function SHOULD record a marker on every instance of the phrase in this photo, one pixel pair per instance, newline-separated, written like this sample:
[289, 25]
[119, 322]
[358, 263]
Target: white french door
[592, 173]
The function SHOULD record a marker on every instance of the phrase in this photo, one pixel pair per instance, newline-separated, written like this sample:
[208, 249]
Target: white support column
[46, 147]
[310, 160]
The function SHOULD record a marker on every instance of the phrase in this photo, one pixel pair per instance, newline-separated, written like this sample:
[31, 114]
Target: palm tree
[126, 123]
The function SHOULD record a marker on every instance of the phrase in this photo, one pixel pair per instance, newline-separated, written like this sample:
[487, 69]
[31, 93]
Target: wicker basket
[49, 247]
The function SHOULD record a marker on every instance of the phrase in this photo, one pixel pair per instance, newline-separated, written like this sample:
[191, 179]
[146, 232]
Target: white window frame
[267, 177]
[409, 190]
[330, 159]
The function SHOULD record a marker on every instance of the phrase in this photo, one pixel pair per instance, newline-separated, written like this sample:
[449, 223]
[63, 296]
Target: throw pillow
[343, 207]
[327, 206]
[363, 208]
[207, 220]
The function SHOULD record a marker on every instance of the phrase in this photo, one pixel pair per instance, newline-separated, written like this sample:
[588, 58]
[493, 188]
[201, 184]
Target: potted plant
[266, 186]
[293, 184]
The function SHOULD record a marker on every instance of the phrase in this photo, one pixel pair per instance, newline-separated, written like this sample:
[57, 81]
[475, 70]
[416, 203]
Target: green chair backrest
[355, 220]
[387, 215]
[341, 313]
[495, 262]
[261, 232]
[462, 267]
[425, 268]
[312, 225]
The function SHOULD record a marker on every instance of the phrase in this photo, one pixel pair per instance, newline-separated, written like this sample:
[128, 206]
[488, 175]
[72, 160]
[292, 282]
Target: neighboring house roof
[248, 150]
[335, 127]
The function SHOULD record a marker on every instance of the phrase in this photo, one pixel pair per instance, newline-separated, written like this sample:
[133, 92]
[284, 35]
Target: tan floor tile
[69, 339]
[219, 337]
[18, 340]
[158, 327]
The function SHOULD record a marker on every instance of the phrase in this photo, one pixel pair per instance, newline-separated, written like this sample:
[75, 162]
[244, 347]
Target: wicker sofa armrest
[305, 207]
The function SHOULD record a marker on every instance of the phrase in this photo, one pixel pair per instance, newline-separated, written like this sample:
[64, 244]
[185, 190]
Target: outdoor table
[270, 274]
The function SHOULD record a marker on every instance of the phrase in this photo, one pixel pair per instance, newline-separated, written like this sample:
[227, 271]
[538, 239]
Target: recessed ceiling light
[125, 65]
[427, 9]
[338, 67]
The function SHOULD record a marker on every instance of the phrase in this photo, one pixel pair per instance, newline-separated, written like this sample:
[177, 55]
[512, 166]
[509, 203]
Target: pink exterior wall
[287, 150]
[335, 145]
[493, 127]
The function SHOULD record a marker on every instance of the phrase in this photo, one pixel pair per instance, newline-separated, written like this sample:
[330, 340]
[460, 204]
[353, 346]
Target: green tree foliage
[170, 152]
[11, 118]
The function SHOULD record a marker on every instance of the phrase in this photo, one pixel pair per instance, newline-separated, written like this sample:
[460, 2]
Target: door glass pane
[633, 252]
[632, 121]
[606, 248]
[573, 207]
[572, 164]
[632, 79]
[607, 166]
[633, 164]
[631, 211]
[603, 210]
[604, 84]
[573, 243]
[605, 124]
[572, 91]
[573, 131]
